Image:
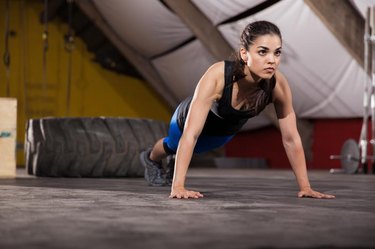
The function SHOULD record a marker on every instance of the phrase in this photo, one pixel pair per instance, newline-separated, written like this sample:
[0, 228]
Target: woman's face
[263, 56]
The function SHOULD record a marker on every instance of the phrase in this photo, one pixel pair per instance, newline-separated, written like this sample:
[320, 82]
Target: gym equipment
[349, 157]
[89, 147]
[8, 133]
[354, 157]
[372, 88]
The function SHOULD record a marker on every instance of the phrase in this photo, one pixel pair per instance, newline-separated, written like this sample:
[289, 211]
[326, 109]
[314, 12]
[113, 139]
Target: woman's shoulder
[280, 77]
[217, 68]
[282, 88]
[215, 72]
[213, 79]
[281, 81]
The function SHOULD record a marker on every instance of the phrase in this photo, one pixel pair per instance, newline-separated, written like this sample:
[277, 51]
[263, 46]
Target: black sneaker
[153, 170]
[169, 171]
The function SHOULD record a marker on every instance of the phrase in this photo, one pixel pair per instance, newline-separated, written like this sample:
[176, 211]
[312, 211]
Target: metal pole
[372, 141]
[366, 95]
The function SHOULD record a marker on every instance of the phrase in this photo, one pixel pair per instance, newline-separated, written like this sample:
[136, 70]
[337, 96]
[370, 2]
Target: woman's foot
[153, 170]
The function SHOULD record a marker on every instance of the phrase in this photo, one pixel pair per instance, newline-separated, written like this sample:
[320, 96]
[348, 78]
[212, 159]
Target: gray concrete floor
[241, 209]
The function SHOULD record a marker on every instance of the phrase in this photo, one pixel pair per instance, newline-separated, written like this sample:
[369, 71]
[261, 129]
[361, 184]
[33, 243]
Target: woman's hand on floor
[310, 193]
[182, 193]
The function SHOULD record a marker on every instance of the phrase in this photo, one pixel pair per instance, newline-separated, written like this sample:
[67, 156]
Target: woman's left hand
[309, 193]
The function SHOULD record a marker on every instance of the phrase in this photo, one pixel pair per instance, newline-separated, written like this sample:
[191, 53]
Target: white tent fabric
[325, 79]
[145, 25]
[220, 10]
[362, 5]
[183, 68]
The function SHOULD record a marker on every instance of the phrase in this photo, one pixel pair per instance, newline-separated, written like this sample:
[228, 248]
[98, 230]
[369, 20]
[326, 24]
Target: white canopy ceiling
[326, 80]
[220, 10]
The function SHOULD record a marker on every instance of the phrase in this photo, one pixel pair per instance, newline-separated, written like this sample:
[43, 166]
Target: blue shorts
[204, 143]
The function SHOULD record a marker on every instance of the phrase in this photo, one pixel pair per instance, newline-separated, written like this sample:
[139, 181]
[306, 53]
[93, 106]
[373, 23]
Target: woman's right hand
[180, 193]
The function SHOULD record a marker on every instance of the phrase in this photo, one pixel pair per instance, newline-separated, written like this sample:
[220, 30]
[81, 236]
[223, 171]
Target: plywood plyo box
[8, 132]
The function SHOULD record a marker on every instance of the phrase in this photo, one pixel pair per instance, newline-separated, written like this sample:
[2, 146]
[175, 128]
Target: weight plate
[350, 156]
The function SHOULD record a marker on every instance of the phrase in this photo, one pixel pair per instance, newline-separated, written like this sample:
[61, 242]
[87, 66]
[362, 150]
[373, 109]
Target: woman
[227, 95]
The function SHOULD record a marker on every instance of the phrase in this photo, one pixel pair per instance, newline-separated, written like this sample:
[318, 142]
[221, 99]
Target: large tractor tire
[89, 147]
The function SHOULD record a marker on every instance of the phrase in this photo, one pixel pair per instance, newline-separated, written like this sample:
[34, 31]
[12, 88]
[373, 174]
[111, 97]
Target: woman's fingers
[186, 195]
[328, 196]
[314, 194]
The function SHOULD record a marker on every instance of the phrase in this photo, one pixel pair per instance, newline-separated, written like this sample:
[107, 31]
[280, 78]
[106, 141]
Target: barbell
[350, 158]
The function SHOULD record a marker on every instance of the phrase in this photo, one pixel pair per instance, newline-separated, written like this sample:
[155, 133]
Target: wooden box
[8, 132]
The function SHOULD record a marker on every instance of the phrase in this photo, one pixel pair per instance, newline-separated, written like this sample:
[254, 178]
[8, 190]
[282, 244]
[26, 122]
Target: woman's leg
[158, 153]
[151, 159]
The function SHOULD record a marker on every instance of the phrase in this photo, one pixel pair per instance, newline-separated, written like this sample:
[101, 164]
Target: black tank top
[223, 119]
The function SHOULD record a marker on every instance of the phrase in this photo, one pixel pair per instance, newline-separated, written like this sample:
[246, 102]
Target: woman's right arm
[208, 90]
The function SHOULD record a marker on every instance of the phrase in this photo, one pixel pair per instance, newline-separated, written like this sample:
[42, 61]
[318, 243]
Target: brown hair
[250, 33]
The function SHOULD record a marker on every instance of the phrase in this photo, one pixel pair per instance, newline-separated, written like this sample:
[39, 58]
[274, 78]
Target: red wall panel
[328, 138]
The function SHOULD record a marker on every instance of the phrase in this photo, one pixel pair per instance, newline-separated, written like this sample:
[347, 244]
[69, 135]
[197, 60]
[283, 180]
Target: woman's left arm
[282, 99]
